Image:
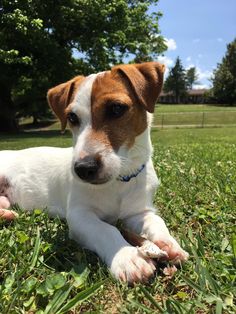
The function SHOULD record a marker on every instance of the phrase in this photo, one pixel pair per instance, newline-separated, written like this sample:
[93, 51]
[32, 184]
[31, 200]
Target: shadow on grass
[37, 125]
[34, 134]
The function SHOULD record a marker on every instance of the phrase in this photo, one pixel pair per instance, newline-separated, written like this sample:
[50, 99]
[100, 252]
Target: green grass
[192, 108]
[42, 271]
[194, 116]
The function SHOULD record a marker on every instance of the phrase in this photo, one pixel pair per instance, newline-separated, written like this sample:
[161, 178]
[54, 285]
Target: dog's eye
[116, 110]
[73, 118]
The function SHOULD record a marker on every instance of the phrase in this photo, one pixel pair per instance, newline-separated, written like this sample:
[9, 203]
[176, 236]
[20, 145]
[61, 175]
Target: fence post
[162, 121]
[203, 119]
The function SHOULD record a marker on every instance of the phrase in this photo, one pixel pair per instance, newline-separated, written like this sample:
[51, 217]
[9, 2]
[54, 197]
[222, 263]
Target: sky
[197, 31]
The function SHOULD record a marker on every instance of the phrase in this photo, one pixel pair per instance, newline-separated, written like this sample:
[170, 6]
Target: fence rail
[194, 119]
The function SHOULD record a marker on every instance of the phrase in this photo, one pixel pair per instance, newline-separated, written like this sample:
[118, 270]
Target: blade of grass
[141, 306]
[36, 251]
[219, 306]
[59, 297]
[213, 284]
[192, 284]
[80, 297]
[151, 299]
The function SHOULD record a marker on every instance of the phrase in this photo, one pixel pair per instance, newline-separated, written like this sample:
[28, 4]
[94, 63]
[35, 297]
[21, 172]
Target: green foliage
[224, 77]
[176, 81]
[43, 43]
[191, 77]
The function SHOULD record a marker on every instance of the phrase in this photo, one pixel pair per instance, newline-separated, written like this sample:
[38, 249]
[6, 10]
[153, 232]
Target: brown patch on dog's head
[146, 80]
[135, 88]
[60, 96]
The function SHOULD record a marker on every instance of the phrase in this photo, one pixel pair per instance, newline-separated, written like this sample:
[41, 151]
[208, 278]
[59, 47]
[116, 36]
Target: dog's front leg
[154, 228]
[124, 260]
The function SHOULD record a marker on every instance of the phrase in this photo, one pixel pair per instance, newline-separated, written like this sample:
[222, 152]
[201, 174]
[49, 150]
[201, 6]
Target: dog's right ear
[60, 96]
[145, 79]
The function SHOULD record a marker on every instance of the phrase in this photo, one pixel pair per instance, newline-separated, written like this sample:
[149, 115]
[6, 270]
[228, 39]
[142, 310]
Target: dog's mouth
[99, 181]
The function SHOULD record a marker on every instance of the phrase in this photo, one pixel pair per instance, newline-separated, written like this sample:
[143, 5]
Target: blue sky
[197, 31]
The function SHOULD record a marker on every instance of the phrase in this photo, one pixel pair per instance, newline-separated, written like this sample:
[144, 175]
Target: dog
[106, 176]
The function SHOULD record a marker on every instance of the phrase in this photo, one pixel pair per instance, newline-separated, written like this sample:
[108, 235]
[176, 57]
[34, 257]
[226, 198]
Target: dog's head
[106, 112]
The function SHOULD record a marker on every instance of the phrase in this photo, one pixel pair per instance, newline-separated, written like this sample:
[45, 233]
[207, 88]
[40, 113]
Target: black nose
[87, 168]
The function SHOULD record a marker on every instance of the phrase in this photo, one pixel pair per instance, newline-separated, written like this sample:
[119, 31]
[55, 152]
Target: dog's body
[108, 175]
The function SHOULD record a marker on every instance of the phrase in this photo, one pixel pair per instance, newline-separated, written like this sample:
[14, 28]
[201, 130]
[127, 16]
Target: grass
[194, 116]
[42, 271]
[193, 108]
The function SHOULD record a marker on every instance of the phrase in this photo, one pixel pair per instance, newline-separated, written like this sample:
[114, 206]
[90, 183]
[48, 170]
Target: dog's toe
[175, 253]
[129, 266]
[7, 214]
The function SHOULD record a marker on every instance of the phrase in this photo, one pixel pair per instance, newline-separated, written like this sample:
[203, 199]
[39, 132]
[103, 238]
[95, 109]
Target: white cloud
[196, 40]
[191, 65]
[203, 75]
[200, 55]
[170, 43]
[168, 62]
[219, 39]
[201, 86]
[188, 59]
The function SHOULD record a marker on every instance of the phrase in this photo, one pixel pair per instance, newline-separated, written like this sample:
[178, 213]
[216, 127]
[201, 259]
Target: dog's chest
[117, 201]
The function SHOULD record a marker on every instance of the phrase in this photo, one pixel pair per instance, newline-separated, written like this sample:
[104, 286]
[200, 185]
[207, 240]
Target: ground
[42, 271]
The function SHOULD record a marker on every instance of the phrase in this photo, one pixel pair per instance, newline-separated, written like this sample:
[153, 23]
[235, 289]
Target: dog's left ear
[60, 96]
[146, 80]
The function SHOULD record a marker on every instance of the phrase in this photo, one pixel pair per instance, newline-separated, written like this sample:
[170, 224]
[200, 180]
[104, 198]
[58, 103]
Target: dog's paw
[7, 214]
[129, 266]
[175, 253]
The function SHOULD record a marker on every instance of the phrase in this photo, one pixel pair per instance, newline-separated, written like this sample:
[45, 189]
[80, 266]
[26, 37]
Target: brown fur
[129, 84]
[136, 85]
[146, 81]
[61, 96]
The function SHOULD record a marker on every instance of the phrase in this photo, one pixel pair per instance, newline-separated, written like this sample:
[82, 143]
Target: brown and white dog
[106, 176]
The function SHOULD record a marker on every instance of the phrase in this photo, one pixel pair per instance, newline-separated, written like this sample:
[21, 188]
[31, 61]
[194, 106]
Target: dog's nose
[87, 168]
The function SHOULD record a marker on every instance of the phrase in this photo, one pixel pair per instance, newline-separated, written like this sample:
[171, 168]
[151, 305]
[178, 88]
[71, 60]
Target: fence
[194, 119]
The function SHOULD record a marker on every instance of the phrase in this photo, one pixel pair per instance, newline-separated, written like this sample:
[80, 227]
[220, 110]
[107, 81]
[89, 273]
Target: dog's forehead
[82, 99]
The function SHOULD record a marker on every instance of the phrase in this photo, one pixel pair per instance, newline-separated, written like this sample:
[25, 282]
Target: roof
[191, 92]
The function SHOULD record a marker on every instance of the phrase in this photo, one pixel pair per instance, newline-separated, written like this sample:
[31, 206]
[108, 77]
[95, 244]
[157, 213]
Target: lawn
[193, 108]
[194, 116]
[42, 271]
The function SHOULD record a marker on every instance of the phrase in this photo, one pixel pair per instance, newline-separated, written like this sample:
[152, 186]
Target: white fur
[42, 177]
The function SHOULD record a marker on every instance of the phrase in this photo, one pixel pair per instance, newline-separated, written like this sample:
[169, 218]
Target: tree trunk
[35, 120]
[8, 121]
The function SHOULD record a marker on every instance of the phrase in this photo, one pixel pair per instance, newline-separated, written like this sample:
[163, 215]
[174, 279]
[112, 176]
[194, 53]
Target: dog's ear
[60, 96]
[145, 79]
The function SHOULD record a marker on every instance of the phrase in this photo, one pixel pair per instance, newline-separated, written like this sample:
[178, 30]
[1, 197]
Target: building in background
[193, 96]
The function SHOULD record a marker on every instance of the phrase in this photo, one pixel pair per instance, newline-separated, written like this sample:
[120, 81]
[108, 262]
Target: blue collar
[129, 177]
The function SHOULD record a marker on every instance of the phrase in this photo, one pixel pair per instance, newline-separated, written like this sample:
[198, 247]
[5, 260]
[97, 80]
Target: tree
[44, 42]
[191, 77]
[176, 81]
[224, 77]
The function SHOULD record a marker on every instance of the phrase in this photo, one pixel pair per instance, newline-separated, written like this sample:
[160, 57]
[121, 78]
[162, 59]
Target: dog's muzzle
[89, 168]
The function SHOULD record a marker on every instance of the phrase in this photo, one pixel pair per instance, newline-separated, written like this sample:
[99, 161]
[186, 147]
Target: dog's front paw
[175, 253]
[129, 266]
